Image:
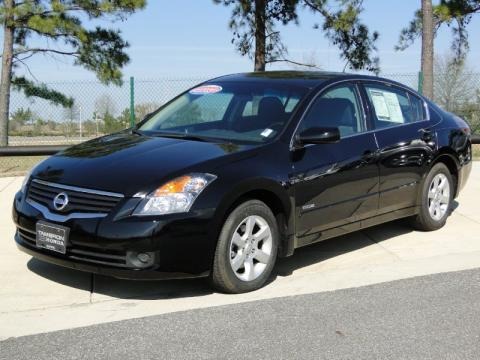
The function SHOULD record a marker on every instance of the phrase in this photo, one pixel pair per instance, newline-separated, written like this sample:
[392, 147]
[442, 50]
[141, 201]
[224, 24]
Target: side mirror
[325, 135]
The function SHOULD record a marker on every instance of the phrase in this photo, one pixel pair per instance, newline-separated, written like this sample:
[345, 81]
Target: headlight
[176, 196]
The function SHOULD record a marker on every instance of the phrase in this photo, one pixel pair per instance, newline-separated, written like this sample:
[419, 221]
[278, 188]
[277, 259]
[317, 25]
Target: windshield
[250, 112]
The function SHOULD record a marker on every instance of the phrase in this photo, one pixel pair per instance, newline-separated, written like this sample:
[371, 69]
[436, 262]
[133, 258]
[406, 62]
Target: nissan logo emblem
[60, 201]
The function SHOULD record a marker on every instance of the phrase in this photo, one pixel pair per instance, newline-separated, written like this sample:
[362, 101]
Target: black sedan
[243, 169]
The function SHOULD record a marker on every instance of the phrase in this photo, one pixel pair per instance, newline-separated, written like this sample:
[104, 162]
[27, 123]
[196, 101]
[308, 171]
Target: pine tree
[427, 48]
[254, 26]
[60, 23]
[455, 14]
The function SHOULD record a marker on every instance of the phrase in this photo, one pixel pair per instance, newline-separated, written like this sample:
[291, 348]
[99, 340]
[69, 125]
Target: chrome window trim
[374, 131]
[47, 214]
[356, 83]
[78, 189]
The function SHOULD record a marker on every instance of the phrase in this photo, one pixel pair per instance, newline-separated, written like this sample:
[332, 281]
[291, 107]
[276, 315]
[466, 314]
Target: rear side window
[393, 106]
[418, 108]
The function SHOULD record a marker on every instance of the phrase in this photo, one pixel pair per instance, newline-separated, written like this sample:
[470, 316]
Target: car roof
[305, 78]
[309, 79]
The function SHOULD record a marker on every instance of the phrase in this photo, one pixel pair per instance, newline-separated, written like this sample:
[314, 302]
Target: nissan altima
[241, 170]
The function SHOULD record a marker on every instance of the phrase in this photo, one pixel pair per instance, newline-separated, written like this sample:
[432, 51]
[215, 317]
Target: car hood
[129, 163]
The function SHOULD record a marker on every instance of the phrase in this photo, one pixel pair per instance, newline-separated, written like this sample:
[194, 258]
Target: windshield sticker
[266, 132]
[387, 106]
[206, 89]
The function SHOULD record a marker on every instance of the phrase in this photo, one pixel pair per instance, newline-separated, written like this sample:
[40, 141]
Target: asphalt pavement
[36, 297]
[430, 317]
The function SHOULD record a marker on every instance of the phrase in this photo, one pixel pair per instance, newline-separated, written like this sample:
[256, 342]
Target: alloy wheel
[251, 248]
[438, 197]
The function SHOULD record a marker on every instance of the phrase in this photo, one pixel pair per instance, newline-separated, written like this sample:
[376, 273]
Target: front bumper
[182, 245]
[130, 274]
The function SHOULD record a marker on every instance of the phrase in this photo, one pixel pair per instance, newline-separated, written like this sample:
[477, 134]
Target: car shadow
[107, 287]
[60, 275]
[455, 205]
[316, 253]
[327, 249]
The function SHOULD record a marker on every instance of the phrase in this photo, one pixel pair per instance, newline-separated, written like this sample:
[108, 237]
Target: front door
[335, 184]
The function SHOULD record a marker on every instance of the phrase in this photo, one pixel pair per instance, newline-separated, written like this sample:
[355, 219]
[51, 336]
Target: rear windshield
[250, 112]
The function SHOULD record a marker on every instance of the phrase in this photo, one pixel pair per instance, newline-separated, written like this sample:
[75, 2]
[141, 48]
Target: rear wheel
[437, 198]
[246, 249]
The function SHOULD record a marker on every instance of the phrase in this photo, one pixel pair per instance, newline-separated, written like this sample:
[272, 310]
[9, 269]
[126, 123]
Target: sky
[190, 38]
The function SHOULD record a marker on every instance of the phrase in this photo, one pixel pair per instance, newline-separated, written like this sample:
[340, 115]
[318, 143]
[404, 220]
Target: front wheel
[437, 198]
[246, 249]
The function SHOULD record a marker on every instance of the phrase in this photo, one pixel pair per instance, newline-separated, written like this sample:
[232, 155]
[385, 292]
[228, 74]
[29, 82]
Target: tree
[309, 60]
[143, 109]
[58, 25]
[111, 124]
[71, 119]
[427, 48]
[454, 86]
[456, 14]
[105, 104]
[253, 24]
[345, 30]
[90, 127]
[124, 118]
[22, 116]
[456, 90]
[471, 112]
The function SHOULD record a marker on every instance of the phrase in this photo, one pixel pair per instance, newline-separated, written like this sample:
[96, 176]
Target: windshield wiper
[181, 136]
[137, 132]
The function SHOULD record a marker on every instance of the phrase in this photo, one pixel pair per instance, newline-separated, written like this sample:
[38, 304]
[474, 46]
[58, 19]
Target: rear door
[402, 129]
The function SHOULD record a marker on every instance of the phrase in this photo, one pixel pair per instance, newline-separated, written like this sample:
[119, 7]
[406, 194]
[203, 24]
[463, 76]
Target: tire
[432, 217]
[246, 250]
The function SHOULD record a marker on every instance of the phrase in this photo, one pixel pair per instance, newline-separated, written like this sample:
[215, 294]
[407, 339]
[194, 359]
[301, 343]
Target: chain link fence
[98, 109]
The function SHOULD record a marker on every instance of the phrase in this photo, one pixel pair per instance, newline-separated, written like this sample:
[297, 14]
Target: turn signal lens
[175, 186]
[176, 196]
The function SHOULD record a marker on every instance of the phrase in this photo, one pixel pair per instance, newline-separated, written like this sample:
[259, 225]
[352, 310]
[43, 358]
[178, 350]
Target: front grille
[79, 200]
[84, 253]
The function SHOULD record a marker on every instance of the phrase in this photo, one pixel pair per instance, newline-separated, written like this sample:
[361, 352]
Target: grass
[476, 152]
[17, 165]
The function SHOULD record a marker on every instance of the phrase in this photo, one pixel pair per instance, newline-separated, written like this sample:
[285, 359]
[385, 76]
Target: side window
[248, 110]
[393, 106]
[418, 108]
[338, 107]
[291, 103]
